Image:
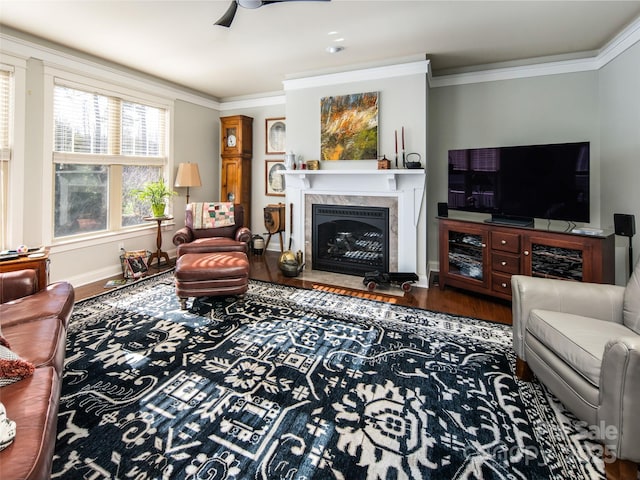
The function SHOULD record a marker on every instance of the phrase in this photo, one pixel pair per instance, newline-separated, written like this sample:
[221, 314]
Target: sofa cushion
[579, 341]
[212, 244]
[33, 404]
[55, 300]
[41, 341]
[631, 303]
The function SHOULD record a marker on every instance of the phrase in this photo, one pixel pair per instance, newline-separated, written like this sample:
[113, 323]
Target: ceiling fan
[226, 19]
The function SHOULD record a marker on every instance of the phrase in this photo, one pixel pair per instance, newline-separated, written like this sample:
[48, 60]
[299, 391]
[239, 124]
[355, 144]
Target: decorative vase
[158, 210]
[290, 161]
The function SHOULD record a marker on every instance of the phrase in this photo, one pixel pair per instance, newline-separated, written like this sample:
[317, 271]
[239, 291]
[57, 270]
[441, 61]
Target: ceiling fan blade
[226, 19]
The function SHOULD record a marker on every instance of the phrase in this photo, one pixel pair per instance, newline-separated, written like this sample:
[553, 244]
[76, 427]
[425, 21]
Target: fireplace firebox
[350, 239]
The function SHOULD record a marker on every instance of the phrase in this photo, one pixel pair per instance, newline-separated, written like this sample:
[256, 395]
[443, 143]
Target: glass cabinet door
[467, 254]
[549, 259]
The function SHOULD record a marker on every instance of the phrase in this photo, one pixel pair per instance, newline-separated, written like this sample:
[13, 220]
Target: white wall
[402, 101]
[259, 113]
[619, 96]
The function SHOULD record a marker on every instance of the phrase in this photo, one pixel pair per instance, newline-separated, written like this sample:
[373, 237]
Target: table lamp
[188, 176]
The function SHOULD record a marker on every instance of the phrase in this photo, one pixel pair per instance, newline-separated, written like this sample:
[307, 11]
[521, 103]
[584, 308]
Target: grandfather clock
[237, 150]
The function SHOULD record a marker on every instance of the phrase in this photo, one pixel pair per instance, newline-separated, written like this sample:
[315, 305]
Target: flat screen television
[522, 183]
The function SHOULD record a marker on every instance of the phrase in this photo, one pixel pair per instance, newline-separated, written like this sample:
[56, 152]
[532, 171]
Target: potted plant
[155, 193]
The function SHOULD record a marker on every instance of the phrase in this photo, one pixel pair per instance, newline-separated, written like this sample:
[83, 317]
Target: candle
[402, 138]
[396, 132]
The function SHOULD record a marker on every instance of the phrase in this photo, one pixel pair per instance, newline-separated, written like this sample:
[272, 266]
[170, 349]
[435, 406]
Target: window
[105, 147]
[5, 152]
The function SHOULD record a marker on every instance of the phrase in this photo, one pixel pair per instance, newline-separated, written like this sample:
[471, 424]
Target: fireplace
[350, 239]
[400, 192]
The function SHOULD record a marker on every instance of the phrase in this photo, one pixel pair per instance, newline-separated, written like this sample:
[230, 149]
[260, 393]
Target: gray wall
[619, 96]
[549, 109]
[196, 133]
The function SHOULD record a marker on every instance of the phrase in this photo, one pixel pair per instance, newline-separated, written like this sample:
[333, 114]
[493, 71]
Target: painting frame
[274, 183]
[349, 126]
[275, 135]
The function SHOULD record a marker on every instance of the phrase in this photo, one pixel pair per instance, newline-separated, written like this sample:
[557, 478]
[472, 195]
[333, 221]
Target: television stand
[510, 220]
[482, 257]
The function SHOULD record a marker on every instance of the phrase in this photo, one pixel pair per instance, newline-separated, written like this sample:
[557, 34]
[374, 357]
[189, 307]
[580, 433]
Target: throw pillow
[631, 305]
[12, 367]
[7, 429]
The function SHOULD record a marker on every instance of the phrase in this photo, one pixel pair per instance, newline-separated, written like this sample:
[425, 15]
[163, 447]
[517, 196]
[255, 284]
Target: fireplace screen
[350, 239]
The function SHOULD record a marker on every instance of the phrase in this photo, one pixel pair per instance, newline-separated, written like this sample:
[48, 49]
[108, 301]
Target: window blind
[5, 114]
[97, 124]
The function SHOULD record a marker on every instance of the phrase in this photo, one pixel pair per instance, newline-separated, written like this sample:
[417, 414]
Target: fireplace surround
[400, 191]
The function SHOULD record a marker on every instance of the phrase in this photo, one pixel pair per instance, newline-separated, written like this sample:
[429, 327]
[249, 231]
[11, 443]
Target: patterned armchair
[196, 237]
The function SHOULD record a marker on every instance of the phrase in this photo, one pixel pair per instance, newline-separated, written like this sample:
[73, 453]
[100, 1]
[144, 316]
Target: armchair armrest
[243, 234]
[184, 235]
[595, 300]
[618, 422]
[17, 284]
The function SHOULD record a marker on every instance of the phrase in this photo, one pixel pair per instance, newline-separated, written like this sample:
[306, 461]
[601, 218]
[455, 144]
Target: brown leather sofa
[34, 322]
[207, 240]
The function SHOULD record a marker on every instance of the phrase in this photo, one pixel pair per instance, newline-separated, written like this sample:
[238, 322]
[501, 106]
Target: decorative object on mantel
[396, 138]
[313, 165]
[413, 163]
[404, 163]
[290, 161]
[349, 127]
[384, 163]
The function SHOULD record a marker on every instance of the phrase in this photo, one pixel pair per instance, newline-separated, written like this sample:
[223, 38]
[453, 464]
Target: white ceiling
[177, 41]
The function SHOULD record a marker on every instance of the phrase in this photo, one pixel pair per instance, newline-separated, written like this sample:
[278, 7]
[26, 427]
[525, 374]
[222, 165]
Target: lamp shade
[188, 175]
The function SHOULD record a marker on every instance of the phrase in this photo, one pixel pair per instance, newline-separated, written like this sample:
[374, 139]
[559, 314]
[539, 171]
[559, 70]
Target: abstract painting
[349, 127]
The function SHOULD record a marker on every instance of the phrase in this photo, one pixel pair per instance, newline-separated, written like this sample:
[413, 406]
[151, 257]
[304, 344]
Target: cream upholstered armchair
[225, 234]
[582, 340]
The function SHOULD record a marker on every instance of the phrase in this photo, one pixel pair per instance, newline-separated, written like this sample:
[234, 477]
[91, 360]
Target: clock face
[231, 141]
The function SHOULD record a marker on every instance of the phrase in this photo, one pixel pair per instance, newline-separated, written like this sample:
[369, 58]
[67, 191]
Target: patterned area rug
[288, 383]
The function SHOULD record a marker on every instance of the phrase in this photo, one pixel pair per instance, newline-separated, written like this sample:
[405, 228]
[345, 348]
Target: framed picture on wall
[273, 179]
[276, 134]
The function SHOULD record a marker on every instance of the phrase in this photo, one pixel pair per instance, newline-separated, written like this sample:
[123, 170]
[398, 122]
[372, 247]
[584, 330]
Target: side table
[38, 261]
[159, 253]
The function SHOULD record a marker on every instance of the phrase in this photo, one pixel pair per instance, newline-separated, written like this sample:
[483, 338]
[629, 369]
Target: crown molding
[624, 40]
[365, 74]
[254, 102]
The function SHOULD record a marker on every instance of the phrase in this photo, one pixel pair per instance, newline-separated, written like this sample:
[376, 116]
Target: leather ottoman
[211, 274]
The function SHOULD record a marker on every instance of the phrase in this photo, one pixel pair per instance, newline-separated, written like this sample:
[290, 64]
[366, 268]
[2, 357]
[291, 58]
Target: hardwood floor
[449, 300]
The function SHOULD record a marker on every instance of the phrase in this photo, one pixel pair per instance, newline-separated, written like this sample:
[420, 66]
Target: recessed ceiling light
[334, 49]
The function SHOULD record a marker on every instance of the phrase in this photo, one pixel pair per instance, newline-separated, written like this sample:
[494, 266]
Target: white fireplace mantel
[307, 177]
[402, 188]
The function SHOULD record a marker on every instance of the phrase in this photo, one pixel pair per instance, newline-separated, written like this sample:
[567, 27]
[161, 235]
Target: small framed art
[273, 179]
[276, 134]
